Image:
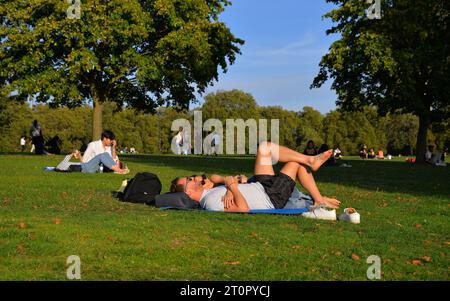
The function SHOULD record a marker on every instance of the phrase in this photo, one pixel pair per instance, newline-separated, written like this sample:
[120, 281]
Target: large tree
[398, 63]
[138, 53]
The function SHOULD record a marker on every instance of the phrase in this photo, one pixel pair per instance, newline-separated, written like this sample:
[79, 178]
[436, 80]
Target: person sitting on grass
[310, 149]
[107, 144]
[380, 154]
[92, 166]
[429, 153]
[371, 153]
[270, 190]
[363, 152]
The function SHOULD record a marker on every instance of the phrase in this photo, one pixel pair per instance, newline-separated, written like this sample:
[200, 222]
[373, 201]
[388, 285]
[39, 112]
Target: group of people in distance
[370, 154]
[182, 144]
[38, 144]
[436, 157]
[312, 150]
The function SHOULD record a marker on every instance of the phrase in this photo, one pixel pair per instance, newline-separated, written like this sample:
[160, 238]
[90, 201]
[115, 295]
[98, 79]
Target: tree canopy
[398, 63]
[137, 53]
[151, 132]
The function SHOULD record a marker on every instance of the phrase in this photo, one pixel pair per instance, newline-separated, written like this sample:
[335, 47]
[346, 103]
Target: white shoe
[350, 215]
[320, 212]
[124, 185]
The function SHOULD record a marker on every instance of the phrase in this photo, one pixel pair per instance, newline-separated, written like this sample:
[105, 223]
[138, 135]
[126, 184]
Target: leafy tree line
[136, 53]
[151, 132]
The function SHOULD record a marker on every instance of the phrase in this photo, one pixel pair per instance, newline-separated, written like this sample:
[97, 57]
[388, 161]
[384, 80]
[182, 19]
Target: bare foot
[328, 202]
[318, 160]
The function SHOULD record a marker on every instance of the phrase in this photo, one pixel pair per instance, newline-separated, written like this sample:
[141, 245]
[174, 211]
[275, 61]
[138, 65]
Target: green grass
[404, 212]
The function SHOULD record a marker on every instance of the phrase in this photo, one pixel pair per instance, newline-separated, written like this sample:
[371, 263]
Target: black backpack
[143, 188]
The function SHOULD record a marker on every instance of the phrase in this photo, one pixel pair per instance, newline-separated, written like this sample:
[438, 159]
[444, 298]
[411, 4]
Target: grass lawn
[46, 217]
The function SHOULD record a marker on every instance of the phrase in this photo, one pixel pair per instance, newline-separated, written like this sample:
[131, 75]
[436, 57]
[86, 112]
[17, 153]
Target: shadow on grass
[375, 175]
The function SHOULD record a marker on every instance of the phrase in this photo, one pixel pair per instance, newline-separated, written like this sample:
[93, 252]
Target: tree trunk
[421, 146]
[97, 119]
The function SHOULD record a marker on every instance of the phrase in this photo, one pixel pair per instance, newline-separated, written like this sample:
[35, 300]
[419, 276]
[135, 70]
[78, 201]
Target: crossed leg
[295, 169]
[269, 152]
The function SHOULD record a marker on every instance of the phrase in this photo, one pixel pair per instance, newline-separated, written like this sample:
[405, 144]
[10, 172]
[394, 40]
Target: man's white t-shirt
[22, 141]
[253, 193]
[96, 148]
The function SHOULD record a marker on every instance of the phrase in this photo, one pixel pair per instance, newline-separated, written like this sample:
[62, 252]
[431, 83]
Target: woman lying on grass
[268, 191]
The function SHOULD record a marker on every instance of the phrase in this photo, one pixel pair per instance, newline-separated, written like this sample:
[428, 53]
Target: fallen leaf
[418, 226]
[232, 263]
[382, 204]
[416, 262]
[110, 238]
[355, 257]
[447, 243]
[338, 253]
[22, 225]
[427, 258]
[254, 234]
[20, 249]
[57, 221]
[5, 202]
[296, 247]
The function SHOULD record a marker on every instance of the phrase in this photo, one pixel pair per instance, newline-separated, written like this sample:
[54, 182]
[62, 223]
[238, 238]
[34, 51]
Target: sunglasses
[203, 178]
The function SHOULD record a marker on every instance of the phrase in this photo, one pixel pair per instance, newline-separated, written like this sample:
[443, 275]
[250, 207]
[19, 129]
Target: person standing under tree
[186, 147]
[215, 143]
[179, 142]
[37, 138]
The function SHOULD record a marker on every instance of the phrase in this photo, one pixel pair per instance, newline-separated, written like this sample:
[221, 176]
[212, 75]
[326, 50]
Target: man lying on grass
[269, 191]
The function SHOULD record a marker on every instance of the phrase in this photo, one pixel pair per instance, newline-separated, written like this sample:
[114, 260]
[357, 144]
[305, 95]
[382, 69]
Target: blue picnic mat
[263, 211]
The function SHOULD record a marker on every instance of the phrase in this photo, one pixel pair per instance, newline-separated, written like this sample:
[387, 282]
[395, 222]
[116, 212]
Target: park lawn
[46, 217]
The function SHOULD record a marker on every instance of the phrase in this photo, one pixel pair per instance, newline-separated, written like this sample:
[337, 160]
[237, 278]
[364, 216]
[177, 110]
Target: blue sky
[284, 42]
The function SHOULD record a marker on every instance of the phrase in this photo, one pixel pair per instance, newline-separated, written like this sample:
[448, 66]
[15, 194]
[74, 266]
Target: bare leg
[307, 180]
[269, 152]
[291, 169]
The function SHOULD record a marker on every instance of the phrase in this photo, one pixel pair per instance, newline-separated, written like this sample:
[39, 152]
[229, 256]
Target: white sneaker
[124, 185]
[319, 212]
[350, 215]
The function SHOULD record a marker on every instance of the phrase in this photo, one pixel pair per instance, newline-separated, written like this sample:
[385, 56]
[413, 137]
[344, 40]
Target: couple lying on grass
[98, 152]
[267, 190]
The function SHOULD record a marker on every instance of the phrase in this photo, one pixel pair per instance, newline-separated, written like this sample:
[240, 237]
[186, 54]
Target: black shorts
[278, 187]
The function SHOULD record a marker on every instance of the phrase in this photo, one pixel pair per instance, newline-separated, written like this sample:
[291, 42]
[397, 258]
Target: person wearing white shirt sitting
[107, 144]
